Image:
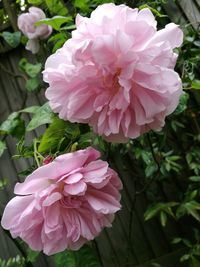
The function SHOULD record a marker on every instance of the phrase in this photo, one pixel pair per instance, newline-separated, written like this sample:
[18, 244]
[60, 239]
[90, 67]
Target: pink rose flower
[26, 23]
[116, 73]
[65, 203]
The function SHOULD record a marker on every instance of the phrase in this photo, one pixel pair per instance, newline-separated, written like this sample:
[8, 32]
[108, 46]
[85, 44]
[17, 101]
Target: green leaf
[163, 218]
[158, 207]
[13, 39]
[32, 84]
[18, 261]
[151, 169]
[10, 124]
[182, 103]
[72, 130]
[42, 116]
[58, 36]
[152, 211]
[58, 45]
[189, 208]
[69, 28]
[66, 258]
[177, 240]
[3, 184]
[33, 69]
[83, 5]
[185, 257]
[195, 178]
[31, 109]
[53, 134]
[187, 242]
[195, 84]
[32, 255]
[2, 147]
[85, 140]
[35, 2]
[56, 7]
[153, 10]
[54, 22]
[84, 257]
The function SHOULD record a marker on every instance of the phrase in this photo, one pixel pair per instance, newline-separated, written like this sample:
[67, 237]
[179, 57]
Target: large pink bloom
[116, 73]
[26, 23]
[64, 203]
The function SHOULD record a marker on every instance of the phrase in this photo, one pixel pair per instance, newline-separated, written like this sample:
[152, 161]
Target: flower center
[112, 82]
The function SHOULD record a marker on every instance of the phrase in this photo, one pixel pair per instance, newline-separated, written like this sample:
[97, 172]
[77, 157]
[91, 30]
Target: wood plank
[174, 12]
[191, 11]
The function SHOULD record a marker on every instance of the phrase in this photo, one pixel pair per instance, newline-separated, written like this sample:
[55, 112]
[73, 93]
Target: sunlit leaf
[42, 116]
[54, 22]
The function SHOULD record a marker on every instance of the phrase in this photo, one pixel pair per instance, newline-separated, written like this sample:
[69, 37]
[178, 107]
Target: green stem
[35, 152]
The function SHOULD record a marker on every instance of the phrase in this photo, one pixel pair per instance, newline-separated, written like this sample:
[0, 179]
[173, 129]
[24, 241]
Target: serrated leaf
[13, 39]
[2, 147]
[53, 134]
[54, 22]
[42, 116]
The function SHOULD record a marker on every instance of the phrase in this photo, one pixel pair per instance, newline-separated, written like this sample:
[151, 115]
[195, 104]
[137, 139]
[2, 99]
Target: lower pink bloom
[65, 203]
